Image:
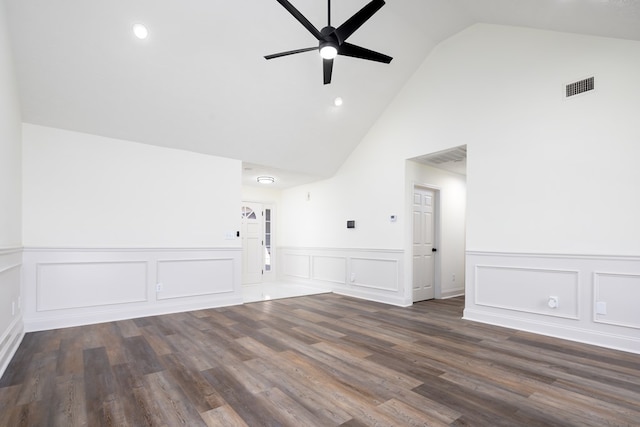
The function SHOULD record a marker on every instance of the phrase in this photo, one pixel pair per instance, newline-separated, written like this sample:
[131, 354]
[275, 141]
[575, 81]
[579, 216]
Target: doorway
[424, 212]
[442, 173]
[252, 237]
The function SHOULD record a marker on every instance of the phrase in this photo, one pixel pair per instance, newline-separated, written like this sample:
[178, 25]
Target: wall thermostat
[351, 224]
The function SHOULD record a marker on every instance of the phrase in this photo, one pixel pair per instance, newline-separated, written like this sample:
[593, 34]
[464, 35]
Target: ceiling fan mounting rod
[328, 13]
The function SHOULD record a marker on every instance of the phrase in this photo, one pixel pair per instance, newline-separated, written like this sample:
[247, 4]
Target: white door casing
[252, 241]
[423, 211]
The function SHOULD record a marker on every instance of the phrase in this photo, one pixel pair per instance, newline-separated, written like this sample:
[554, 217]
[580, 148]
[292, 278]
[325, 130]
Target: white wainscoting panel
[11, 324]
[527, 289]
[512, 290]
[69, 287]
[66, 285]
[329, 269]
[296, 265]
[194, 277]
[373, 274]
[608, 288]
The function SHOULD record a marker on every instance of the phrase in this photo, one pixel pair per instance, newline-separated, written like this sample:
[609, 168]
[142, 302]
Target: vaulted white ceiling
[200, 82]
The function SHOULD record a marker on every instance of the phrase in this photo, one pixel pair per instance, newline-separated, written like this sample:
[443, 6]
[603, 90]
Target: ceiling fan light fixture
[328, 50]
[266, 179]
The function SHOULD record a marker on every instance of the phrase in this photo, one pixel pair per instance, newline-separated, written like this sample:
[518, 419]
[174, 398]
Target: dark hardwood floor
[323, 360]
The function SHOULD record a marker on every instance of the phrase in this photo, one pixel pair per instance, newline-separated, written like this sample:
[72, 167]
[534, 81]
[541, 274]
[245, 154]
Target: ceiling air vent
[580, 87]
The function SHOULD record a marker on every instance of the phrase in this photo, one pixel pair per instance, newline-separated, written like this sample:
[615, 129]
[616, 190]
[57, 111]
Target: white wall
[11, 328]
[451, 214]
[10, 163]
[116, 229]
[88, 191]
[545, 175]
[261, 194]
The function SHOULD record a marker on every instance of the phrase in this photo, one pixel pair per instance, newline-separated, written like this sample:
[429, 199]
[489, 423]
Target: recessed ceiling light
[140, 31]
[266, 179]
[338, 101]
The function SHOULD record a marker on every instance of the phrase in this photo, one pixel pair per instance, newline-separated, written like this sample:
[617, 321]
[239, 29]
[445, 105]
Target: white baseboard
[452, 294]
[616, 342]
[107, 314]
[9, 343]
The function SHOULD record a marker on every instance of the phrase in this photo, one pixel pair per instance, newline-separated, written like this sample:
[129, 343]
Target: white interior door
[423, 244]
[252, 241]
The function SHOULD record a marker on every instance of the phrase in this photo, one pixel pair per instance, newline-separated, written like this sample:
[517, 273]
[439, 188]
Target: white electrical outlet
[453, 277]
[158, 287]
[353, 277]
[601, 307]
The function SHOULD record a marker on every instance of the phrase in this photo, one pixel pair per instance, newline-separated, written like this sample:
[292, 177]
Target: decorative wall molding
[70, 287]
[620, 311]
[555, 255]
[6, 269]
[194, 277]
[512, 290]
[376, 273]
[373, 274]
[527, 289]
[11, 324]
[332, 269]
[121, 250]
[10, 250]
[296, 265]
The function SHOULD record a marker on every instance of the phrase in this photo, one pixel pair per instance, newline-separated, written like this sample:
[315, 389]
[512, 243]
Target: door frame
[267, 276]
[436, 241]
[260, 219]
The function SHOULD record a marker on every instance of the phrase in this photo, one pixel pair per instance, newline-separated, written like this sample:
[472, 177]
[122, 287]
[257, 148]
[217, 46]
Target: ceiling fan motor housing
[329, 39]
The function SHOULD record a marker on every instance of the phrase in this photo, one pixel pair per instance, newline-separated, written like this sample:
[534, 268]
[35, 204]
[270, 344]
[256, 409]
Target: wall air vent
[579, 87]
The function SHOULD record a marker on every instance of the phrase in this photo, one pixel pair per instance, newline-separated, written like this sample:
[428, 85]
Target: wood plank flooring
[323, 360]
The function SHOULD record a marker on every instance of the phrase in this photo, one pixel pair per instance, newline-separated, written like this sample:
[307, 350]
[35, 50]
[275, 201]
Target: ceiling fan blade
[300, 17]
[348, 49]
[327, 68]
[290, 52]
[356, 21]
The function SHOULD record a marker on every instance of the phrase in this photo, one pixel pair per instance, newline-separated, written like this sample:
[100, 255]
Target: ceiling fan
[332, 41]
